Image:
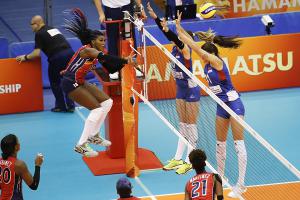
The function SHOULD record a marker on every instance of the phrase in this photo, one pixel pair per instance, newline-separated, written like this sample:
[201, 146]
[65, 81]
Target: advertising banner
[21, 87]
[261, 63]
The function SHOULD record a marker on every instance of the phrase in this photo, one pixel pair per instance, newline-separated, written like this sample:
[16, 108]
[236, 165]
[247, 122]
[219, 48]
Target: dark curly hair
[8, 144]
[197, 158]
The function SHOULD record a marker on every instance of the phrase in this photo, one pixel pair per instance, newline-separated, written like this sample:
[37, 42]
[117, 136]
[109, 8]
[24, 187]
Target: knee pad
[106, 105]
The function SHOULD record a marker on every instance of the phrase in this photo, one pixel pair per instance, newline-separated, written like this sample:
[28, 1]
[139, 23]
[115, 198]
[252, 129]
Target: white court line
[152, 196]
[80, 113]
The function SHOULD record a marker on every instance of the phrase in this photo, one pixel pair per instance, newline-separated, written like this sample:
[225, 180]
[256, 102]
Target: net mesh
[266, 175]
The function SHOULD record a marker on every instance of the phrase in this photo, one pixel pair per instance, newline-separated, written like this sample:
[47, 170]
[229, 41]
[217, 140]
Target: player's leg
[222, 126]
[177, 161]
[239, 144]
[106, 103]
[83, 97]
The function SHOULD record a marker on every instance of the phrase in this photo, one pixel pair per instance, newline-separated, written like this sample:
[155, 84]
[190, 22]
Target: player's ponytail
[211, 39]
[8, 144]
[76, 23]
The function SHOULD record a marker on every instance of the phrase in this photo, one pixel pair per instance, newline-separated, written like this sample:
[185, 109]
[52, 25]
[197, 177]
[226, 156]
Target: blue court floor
[273, 114]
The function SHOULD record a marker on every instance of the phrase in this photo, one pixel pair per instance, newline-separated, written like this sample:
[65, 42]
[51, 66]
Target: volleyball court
[268, 174]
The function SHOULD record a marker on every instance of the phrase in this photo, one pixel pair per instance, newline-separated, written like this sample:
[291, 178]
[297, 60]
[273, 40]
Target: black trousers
[57, 63]
[112, 30]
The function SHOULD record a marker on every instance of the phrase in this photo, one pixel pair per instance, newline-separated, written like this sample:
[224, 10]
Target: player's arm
[34, 54]
[111, 63]
[186, 193]
[214, 60]
[219, 187]
[98, 4]
[22, 170]
[172, 37]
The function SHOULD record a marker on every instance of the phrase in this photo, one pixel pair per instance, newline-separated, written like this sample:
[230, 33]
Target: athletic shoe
[173, 164]
[237, 191]
[183, 169]
[85, 150]
[97, 139]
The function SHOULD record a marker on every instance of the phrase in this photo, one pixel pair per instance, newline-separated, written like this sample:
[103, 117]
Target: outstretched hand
[151, 11]
[164, 25]
[131, 59]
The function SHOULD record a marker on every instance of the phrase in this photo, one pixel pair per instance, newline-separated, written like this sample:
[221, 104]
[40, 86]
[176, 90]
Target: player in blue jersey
[219, 81]
[187, 98]
[82, 92]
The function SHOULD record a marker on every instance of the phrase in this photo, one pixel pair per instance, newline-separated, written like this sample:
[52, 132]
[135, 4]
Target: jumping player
[204, 185]
[219, 81]
[187, 98]
[13, 170]
[82, 92]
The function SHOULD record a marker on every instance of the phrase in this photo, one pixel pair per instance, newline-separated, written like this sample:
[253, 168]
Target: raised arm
[98, 4]
[172, 37]
[214, 60]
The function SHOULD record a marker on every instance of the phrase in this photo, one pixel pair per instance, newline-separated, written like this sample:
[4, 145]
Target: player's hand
[39, 159]
[164, 25]
[150, 11]
[101, 17]
[21, 58]
[178, 20]
[131, 59]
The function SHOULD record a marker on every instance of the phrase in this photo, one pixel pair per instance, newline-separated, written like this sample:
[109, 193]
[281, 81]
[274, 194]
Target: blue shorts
[188, 94]
[237, 106]
[68, 85]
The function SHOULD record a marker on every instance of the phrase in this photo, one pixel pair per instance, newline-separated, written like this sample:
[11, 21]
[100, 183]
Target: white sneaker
[86, 150]
[98, 140]
[114, 76]
[138, 73]
[237, 191]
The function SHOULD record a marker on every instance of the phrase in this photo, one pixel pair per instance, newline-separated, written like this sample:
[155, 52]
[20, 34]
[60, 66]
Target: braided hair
[197, 158]
[211, 39]
[8, 144]
[75, 22]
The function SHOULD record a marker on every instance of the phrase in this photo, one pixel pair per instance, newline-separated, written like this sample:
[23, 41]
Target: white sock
[192, 138]
[91, 124]
[221, 156]
[242, 159]
[180, 145]
[106, 105]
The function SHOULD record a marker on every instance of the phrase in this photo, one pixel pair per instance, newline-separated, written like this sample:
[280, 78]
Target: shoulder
[20, 166]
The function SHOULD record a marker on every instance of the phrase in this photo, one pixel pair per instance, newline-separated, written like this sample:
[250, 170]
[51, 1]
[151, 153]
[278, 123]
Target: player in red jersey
[204, 185]
[13, 170]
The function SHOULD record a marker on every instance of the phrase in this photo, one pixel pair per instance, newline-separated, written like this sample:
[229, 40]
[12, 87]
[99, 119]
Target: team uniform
[10, 182]
[59, 52]
[221, 85]
[201, 186]
[74, 74]
[186, 88]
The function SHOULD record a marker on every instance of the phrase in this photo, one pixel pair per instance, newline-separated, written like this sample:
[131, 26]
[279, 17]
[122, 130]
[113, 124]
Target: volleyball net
[265, 165]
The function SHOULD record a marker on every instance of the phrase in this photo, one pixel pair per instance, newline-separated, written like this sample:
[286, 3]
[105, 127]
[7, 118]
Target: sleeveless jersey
[201, 187]
[11, 184]
[220, 83]
[180, 76]
[78, 67]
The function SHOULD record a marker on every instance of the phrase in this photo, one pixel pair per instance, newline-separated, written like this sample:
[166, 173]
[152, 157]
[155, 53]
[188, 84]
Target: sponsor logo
[10, 88]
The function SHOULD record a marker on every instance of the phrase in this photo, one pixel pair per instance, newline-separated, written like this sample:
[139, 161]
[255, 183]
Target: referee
[59, 52]
[113, 10]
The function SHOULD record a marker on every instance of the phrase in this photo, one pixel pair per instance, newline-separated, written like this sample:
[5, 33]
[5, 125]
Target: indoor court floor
[64, 175]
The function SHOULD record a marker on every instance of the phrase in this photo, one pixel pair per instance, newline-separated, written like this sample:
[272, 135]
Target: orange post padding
[130, 109]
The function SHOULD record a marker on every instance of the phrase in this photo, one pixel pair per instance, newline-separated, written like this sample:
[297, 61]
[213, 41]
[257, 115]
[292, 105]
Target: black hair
[223, 41]
[191, 34]
[124, 192]
[197, 158]
[76, 23]
[8, 144]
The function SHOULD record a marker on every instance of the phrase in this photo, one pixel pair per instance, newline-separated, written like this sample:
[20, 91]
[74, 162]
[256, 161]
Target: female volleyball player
[82, 92]
[204, 185]
[187, 98]
[13, 170]
[219, 81]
